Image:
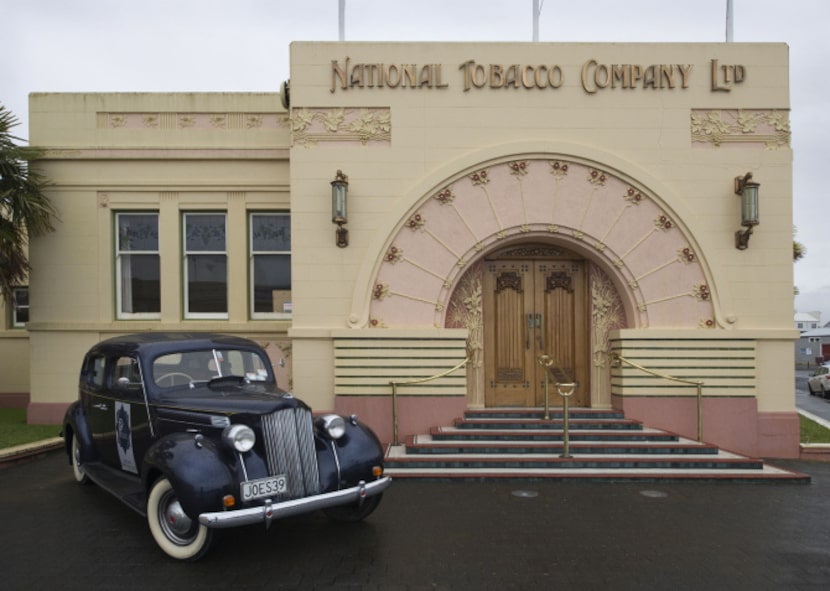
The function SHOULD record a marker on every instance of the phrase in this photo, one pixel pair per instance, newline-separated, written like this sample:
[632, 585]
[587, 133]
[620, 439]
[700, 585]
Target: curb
[18, 453]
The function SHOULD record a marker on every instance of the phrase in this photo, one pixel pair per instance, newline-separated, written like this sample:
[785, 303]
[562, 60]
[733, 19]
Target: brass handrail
[617, 359]
[395, 385]
[565, 389]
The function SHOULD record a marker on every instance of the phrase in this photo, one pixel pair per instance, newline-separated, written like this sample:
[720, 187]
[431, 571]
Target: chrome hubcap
[175, 522]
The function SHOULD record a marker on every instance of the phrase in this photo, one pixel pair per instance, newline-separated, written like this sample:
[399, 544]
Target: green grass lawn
[15, 431]
[812, 432]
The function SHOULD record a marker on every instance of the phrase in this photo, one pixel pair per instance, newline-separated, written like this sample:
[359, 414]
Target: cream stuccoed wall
[736, 102]
[399, 146]
[169, 153]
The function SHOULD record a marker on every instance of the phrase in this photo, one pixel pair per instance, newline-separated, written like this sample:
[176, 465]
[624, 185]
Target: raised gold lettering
[409, 76]
[511, 77]
[587, 67]
[527, 81]
[392, 75]
[338, 73]
[425, 78]
[555, 77]
[496, 76]
[650, 77]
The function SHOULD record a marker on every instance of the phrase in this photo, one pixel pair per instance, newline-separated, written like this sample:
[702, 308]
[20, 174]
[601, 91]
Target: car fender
[196, 467]
[75, 423]
[358, 452]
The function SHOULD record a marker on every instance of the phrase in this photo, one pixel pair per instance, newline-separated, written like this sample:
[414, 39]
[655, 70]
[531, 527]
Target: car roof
[153, 343]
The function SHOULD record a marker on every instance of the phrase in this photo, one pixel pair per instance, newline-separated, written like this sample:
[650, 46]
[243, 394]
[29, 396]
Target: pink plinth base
[415, 414]
[14, 399]
[46, 413]
[732, 424]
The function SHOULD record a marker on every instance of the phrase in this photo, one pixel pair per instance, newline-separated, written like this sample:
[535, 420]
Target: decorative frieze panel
[717, 127]
[189, 121]
[312, 126]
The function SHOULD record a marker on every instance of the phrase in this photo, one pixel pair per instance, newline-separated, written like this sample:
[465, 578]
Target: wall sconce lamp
[748, 191]
[339, 193]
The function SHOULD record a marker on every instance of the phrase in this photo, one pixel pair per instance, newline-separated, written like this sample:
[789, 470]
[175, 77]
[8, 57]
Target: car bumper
[270, 510]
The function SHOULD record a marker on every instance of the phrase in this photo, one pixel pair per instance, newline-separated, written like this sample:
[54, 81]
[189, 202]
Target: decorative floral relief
[607, 312]
[394, 255]
[663, 222]
[445, 197]
[597, 177]
[381, 291]
[701, 292]
[310, 126]
[253, 121]
[465, 310]
[186, 121]
[480, 178]
[416, 222]
[771, 128]
[686, 255]
[558, 169]
[376, 322]
[518, 168]
[150, 121]
[219, 121]
[633, 196]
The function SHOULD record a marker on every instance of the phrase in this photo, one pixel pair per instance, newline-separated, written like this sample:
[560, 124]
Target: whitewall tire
[78, 468]
[177, 534]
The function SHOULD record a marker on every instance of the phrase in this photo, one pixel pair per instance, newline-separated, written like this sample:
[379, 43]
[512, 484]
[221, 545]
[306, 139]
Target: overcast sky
[242, 45]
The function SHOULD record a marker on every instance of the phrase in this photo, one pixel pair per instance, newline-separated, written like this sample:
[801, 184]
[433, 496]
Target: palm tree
[25, 211]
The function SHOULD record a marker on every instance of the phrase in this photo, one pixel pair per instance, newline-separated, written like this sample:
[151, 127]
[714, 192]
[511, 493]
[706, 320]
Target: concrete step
[603, 445]
[428, 445]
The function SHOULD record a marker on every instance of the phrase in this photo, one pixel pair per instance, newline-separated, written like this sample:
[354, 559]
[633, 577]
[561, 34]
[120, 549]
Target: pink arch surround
[612, 221]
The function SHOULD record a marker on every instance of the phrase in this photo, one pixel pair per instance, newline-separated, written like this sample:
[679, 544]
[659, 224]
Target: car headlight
[332, 425]
[240, 437]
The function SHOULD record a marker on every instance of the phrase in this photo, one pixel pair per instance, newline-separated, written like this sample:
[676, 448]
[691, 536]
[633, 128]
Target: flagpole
[342, 19]
[729, 21]
[537, 11]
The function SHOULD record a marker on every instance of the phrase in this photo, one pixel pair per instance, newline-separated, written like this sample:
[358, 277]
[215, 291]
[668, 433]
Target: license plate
[264, 487]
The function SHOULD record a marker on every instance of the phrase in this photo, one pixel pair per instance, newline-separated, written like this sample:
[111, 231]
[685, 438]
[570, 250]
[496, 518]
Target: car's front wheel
[354, 512]
[177, 534]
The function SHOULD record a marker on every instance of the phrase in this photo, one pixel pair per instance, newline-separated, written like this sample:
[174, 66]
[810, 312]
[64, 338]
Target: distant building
[813, 347]
[805, 321]
[505, 201]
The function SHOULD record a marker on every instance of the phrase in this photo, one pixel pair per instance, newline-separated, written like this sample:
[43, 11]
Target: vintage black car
[192, 431]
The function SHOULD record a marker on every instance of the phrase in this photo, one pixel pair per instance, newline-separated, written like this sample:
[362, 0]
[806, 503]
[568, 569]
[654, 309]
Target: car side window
[95, 371]
[126, 376]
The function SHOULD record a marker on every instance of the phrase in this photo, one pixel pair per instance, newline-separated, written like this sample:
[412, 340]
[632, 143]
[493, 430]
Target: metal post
[565, 391]
[394, 413]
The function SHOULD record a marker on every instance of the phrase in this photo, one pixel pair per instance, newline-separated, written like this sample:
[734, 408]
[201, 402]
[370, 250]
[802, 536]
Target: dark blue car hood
[254, 398]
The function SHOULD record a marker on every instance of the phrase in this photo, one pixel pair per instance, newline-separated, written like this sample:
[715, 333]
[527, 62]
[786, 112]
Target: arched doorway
[535, 302]
[623, 260]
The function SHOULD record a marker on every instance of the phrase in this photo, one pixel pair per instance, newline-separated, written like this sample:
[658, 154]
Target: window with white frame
[206, 265]
[270, 273]
[137, 263]
[20, 306]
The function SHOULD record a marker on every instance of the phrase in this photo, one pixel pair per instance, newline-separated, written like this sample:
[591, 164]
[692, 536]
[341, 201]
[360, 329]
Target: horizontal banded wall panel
[727, 367]
[365, 365]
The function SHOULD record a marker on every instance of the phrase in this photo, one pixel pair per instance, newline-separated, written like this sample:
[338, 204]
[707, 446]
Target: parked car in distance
[819, 382]
[192, 432]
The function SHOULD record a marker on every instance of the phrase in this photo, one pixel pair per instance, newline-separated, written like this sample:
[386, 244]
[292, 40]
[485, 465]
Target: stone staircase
[603, 445]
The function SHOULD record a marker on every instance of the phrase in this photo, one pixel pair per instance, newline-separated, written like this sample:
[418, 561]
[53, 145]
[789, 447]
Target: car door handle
[101, 406]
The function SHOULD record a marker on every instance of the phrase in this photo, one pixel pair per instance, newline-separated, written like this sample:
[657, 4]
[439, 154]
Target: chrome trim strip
[266, 513]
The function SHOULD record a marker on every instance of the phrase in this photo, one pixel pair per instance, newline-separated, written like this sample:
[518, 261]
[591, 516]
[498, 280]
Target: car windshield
[189, 367]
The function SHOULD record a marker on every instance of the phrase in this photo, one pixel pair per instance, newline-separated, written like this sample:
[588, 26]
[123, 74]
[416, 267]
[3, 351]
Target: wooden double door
[533, 308]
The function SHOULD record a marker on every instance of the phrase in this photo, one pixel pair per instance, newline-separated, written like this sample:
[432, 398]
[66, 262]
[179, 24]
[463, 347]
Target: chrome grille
[289, 446]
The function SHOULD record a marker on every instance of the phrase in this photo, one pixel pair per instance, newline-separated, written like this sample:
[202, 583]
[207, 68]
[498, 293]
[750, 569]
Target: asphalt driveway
[433, 535]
